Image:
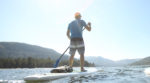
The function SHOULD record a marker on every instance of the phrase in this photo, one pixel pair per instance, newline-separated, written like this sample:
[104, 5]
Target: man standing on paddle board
[74, 33]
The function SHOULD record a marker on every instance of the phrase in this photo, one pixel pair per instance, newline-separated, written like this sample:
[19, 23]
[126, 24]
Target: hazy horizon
[68, 54]
[120, 28]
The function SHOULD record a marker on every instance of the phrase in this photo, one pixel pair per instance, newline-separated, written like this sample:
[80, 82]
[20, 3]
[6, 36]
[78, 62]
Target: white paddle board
[147, 71]
[53, 76]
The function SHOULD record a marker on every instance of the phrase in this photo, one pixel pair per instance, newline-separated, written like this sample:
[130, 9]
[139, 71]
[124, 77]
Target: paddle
[58, 60]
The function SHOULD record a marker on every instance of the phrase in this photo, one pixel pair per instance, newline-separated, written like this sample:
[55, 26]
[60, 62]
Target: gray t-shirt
[76, 28]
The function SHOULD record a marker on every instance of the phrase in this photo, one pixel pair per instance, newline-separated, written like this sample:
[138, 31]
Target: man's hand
[89, 24]
[88, 27]
[68, 34]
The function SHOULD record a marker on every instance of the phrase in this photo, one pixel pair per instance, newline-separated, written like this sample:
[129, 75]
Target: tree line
[34, 62]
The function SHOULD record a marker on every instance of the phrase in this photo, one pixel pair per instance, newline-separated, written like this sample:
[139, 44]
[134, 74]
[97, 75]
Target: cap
[77, 14]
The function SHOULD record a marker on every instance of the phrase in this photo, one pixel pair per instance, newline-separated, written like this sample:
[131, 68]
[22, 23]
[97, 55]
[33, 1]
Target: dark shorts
[77, 44]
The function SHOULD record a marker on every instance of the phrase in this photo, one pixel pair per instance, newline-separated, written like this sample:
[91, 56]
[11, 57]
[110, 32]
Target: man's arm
[68, 34]
[88, 26]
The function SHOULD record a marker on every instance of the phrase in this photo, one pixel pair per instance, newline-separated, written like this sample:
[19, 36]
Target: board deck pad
[53, 76]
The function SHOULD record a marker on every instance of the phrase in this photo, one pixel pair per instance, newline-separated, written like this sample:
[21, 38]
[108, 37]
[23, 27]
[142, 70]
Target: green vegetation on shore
[33, 63]
[21, 55]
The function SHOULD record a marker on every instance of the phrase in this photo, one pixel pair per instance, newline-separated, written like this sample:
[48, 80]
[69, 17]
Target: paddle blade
[56, 64]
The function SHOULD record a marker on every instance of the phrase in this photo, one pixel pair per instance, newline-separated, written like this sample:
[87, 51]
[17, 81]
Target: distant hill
[14, 55]
[22, 50]
[126, 62]
[145, 61]
[100, 61]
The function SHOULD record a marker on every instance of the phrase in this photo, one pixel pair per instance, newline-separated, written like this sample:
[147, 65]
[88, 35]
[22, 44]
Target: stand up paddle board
[147, 71]
[53, 76]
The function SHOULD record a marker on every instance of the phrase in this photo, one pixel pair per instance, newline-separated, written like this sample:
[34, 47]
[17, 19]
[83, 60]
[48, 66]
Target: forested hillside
[21, 55]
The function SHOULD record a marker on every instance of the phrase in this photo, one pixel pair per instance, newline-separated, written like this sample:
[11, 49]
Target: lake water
[106, 75]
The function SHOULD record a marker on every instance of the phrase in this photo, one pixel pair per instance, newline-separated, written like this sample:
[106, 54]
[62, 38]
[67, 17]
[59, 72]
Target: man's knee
[81, 51]
[72, 55]
[72, 51]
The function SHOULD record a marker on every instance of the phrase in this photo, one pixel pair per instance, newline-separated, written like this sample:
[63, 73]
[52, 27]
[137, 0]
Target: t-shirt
[76, 28]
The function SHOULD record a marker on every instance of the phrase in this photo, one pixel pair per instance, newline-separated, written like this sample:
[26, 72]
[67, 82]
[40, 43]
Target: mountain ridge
[23, 50]
[15, 55]
[100, 61]
[144, 61]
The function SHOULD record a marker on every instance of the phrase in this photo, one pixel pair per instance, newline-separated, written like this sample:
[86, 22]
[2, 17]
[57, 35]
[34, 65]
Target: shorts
[77, 44]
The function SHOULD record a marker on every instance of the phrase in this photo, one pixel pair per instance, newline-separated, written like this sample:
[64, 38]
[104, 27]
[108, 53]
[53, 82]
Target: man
[74, 33]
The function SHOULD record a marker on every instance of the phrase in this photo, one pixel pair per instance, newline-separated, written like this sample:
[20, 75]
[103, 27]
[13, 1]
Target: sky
[120, 28]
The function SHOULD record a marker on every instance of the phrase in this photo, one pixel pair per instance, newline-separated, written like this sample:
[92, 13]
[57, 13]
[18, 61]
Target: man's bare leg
[71, 60]
[82, 62]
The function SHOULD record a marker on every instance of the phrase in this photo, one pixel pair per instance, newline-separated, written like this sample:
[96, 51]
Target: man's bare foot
[83, 70]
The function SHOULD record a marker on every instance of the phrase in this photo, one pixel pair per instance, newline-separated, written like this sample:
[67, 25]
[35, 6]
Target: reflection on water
[107, 75]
